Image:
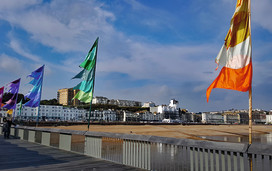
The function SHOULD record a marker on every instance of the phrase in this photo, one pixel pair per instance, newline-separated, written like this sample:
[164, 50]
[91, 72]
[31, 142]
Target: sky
[149, 50]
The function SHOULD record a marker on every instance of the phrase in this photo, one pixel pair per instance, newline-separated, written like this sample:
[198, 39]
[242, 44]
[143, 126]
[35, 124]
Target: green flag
[89, 61]
[88, 64]
[84, 97]
[20, 106]
[87, 75]
[86, 87]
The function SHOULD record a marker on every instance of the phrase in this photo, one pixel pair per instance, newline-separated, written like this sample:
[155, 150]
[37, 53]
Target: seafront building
[170, 111]
[51, 113]
[100, 100]
[120, 103]
[268, 119]
[130, 116]
[152, 117]
[212, 117]
[61, 113]
[149, 104]
[235, 117]
[65, 97]
[103, 115]
[188, 117]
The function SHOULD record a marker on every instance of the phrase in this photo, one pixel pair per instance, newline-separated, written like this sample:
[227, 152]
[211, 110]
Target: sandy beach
[176, 131]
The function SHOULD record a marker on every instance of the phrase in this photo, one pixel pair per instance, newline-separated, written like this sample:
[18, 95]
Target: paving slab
[22, 155]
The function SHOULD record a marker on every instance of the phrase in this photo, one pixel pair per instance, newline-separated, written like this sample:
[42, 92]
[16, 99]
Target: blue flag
[35, 93]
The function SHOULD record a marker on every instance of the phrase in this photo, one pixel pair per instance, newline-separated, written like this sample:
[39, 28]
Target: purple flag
[35, 93]
[13, 89]
[1, 95]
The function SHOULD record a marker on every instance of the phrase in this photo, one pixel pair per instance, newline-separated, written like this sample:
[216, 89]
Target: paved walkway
[20, 155]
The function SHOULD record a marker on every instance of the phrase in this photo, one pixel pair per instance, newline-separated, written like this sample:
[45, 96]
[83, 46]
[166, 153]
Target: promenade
[20, 155]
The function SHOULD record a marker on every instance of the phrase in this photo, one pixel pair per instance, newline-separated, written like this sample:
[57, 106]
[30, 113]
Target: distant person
[6, 127]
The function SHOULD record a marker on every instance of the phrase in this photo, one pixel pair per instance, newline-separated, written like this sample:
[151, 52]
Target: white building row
[50, 113]
[106, 115]
[122, 103]
[148, 116]
[60, 113]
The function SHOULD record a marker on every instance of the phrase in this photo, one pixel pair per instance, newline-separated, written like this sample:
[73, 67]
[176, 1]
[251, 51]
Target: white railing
[152, 152]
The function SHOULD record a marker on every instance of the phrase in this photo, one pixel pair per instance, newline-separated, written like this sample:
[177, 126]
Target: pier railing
[152, 152]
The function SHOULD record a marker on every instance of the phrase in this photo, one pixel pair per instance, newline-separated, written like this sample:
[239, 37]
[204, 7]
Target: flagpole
[250, 117]
[250, 90]
[37, 121]
[20, 114]
[250, 94]
[89, 118]
[13, 113]
[20, 109]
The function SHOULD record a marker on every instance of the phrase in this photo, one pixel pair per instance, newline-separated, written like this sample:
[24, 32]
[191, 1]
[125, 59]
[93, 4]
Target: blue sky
[149, 50]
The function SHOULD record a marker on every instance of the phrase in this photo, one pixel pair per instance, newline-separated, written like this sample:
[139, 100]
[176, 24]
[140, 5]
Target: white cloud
[15, 45]
[72, 27]
[51, 25]
[14, 5]
[153, 18]
[37, 61]
[10, 64]
[162, 62]
[261, 13]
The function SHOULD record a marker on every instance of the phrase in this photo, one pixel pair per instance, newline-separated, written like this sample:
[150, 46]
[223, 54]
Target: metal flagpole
[250, 95]
[250, 91]
[250, 117]
[20, 109]
[89, 118]
[13, 112]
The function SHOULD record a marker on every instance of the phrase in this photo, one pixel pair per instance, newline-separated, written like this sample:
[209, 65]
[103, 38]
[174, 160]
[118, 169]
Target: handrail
[226, 146]
[152, 152]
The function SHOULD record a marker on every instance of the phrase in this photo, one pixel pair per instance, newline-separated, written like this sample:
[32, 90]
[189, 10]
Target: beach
[175, 131]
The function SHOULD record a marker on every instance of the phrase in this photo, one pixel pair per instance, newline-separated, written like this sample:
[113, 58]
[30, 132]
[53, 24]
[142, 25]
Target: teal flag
[85, 74]
[20, 107]
[85, 86]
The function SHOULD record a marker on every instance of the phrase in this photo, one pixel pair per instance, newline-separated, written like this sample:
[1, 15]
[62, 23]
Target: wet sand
[176, 131]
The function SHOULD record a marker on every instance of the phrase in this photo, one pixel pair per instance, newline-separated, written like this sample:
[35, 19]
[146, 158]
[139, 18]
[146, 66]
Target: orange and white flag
[235, 55]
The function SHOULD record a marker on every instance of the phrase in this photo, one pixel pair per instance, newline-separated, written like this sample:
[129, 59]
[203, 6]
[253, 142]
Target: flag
[35, 93]
[86, 86]
[89, 61]
[1, 95]
[84, 97]
[10, 111]
[87, 75]
[235, 54]
[20, 106]
[12, 89]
